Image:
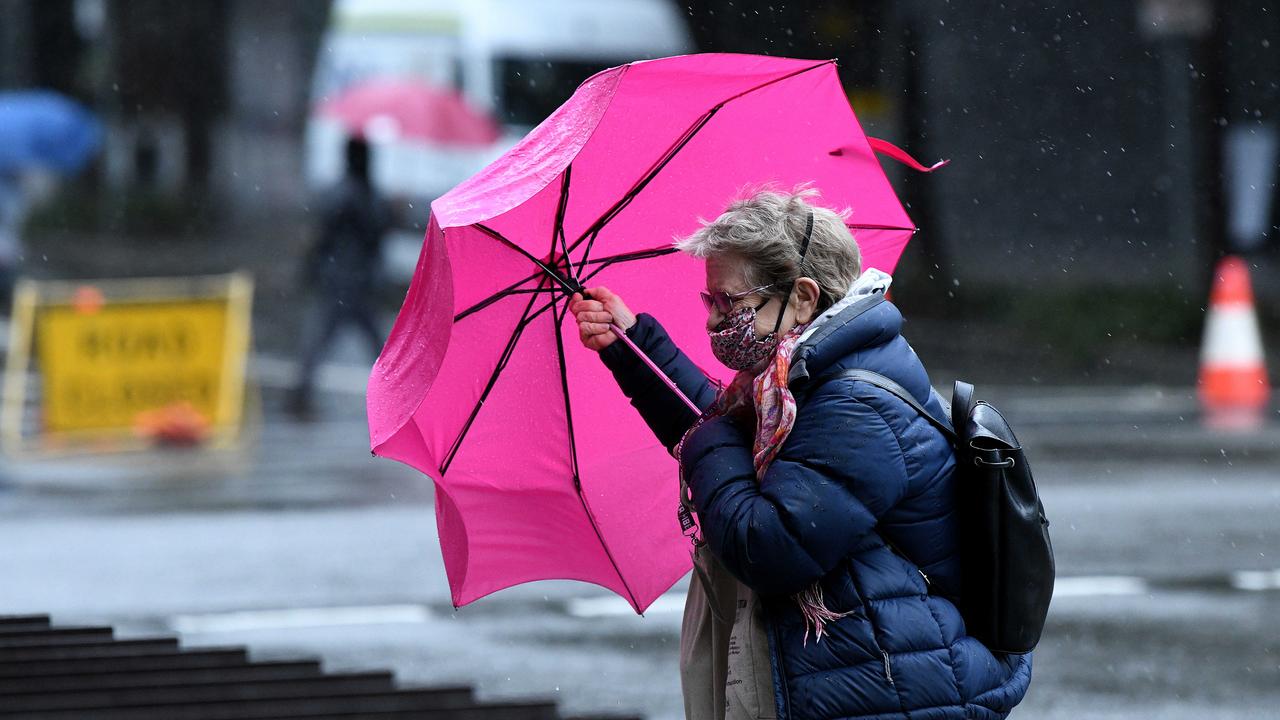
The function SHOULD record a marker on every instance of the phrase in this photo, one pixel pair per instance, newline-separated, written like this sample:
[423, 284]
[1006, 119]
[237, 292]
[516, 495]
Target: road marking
[673, 602]
[1094, 586]
[299, 618]
[614, 606]
[1256, 580]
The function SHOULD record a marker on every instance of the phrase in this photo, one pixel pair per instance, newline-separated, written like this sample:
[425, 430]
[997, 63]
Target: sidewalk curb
[1158, 441]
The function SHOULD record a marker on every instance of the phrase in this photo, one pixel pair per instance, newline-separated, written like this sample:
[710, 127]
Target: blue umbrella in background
[40, 129]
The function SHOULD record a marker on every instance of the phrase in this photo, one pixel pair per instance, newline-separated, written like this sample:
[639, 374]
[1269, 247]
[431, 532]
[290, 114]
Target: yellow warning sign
[108, 356]
[102, 368]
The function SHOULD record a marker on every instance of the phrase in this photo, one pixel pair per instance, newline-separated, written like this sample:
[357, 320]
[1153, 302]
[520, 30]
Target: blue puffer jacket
[860, 467]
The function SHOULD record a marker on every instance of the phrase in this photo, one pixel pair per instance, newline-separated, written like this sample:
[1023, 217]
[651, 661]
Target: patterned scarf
[775, 411]
[775, 408]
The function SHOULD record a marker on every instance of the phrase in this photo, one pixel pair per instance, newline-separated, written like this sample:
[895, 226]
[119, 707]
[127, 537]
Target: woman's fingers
[595, 317]
[622, 315]
[581, 306]
[591, 313]
[587, 329]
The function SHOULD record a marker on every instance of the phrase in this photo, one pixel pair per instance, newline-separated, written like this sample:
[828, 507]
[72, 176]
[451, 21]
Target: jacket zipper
[888, 671]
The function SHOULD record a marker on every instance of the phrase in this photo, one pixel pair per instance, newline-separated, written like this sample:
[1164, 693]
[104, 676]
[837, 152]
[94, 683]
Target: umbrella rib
[543, 266]
[604, 263]
[573, 452]
[514, 288]
[558, 231]
[525, 319]
[568, 410]
[629, 257]
[625, 200]
[590, 234]
[631, 194]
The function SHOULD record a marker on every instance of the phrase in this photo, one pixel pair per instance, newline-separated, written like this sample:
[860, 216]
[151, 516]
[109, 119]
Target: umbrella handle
[622, 335]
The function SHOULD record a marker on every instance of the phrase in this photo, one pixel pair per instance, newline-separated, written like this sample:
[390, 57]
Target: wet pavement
[302, 544]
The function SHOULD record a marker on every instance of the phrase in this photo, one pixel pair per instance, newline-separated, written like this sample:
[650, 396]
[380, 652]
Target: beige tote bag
[724, 652]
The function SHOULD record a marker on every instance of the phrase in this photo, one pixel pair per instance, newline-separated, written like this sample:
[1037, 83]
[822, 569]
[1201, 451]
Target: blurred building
[1088, 138]
[1091, 140]
[204, 101]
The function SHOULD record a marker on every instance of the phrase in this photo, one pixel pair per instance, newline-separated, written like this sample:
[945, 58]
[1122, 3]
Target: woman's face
[727, 273]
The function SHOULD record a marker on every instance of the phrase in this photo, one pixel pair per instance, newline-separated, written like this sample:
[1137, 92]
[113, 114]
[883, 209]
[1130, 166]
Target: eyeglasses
[723, 301]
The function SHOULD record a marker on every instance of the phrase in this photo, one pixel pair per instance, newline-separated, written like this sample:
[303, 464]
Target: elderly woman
[829, 502]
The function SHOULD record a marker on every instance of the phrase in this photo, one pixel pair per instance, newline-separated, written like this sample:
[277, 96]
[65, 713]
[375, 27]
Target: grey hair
[766, 229]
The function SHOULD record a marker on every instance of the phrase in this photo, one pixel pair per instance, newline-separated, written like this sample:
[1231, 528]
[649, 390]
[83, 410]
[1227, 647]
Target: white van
[516, 59]
[499, 53]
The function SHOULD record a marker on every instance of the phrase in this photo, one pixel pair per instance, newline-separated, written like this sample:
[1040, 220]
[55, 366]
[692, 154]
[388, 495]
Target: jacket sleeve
[667, 416]
[840, 470]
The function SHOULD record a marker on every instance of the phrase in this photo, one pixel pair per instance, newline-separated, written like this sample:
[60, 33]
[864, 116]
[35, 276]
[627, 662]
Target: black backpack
[1005, 555]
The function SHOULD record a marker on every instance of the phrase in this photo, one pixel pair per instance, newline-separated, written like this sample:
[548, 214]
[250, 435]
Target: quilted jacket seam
[902, 453]
[887, 598]
[921, 651]
[951, 654]
[700, 458]
[869, 661]
[951, 650]
[875, 635]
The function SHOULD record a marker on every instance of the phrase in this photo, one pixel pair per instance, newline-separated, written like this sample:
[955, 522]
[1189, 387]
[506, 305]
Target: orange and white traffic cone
[1233, 375]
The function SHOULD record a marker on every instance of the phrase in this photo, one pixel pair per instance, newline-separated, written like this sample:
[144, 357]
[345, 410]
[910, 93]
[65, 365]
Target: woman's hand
[595, 316]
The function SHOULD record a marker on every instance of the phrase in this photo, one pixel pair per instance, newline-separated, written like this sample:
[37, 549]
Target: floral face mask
[734, 340]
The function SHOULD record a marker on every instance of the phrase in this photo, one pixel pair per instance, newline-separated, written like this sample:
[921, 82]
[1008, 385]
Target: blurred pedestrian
[827, 571]
[343, 267]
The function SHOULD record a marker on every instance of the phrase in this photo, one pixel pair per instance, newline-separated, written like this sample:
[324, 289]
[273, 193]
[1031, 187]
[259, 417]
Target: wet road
[304, 545]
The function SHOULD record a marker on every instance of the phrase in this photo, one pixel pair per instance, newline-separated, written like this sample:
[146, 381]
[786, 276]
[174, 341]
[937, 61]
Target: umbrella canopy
[42, 129]
[542, 469]
[410, 110]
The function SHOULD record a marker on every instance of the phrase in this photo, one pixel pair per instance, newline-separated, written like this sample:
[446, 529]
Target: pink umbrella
[412, 110]
[542, 469]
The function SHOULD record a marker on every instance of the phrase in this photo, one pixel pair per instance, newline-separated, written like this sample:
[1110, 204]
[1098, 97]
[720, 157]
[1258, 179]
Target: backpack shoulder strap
[894, 388]
[961, 400]
[884, 383]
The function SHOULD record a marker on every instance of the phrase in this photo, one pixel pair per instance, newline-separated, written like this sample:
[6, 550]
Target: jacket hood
[869, 321]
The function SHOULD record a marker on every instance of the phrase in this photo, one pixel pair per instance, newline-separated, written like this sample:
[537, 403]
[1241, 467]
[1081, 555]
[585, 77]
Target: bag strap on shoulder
[961, 400]
[884, 383]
